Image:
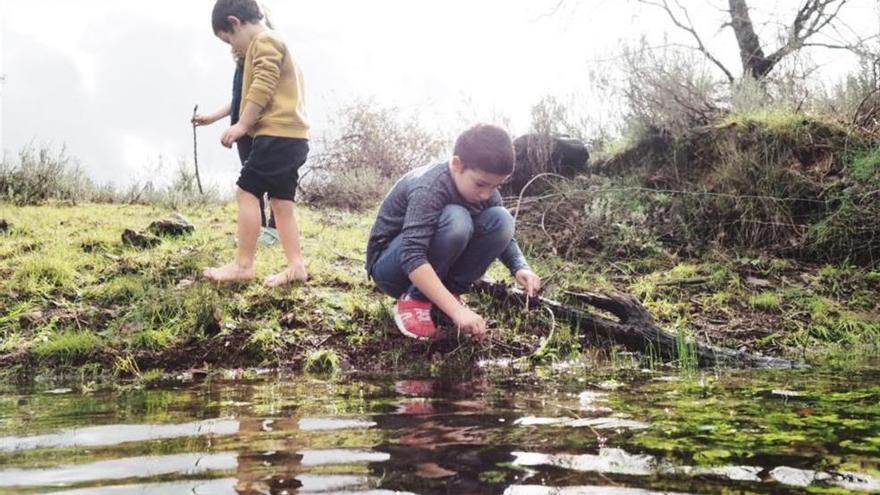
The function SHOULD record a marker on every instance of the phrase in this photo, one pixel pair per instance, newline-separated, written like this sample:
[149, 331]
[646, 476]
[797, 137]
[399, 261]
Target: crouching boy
[439, 229]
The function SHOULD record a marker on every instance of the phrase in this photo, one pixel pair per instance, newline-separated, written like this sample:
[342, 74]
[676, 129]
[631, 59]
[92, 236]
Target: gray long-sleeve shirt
[413, 207]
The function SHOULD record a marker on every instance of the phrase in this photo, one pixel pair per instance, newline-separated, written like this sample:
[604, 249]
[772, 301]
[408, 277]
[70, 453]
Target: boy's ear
[456, 164]
[234, 23]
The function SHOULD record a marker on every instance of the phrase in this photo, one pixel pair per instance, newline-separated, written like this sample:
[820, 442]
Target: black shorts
[273, 166]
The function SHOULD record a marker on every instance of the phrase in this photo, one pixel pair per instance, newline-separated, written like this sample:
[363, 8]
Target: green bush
[41, 175]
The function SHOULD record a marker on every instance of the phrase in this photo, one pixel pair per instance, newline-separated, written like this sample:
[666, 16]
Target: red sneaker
[413, 318]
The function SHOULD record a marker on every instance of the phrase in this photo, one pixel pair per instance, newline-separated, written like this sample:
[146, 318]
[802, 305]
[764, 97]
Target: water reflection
[426, 436]
[97, 436]
[116, 469]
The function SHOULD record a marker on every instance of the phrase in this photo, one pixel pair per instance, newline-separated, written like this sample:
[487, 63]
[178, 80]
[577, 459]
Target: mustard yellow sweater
[273, 81]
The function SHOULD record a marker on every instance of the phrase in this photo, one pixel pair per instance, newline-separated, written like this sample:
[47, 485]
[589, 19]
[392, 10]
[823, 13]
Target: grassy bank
[74, 297]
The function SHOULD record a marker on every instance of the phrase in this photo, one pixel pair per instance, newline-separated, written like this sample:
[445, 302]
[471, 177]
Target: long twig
[196, 150]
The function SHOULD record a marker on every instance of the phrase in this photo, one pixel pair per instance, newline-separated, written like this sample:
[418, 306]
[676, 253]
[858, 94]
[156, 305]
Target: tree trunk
[754, 62]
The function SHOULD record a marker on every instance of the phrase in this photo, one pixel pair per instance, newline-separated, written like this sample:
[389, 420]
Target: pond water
[564, 431]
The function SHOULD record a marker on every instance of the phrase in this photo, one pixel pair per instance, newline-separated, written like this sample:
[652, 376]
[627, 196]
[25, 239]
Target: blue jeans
[461, 251]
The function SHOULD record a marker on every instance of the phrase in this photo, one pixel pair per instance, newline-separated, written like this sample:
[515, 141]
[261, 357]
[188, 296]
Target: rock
[175, 225]
[59, 391]
[797, 477]
[542, 153]
[758, 282]
[30, 320]
[139, 239]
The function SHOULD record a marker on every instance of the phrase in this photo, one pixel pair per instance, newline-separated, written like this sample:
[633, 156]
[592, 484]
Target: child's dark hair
[486, 147]
[247, 11]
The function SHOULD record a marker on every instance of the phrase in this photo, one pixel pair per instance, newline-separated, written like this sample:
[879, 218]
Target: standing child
[268, 234]
[272, 112]
[439, 229]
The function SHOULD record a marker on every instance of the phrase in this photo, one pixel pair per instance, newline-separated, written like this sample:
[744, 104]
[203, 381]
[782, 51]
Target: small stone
[139, 239]
[758, 282]
[610, 385]
[176, 225]
[59, 391]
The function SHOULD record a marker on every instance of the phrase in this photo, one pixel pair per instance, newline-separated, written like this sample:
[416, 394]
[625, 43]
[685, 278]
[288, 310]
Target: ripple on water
[95, 436]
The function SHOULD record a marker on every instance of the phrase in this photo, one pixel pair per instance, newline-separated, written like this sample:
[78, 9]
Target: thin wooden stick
[196, 150]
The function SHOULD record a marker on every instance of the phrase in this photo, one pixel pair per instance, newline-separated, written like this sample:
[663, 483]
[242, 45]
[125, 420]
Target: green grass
[68, 347]
[765, 301]
[323, 361]
[865, 165]
[72, 294]
[45, 272]
[778, 120]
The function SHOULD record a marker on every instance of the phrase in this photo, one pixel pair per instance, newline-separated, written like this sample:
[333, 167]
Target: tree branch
[810, 19]
[688, 27]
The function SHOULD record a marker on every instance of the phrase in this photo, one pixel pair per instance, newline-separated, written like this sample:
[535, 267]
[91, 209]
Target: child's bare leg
[242, 268]
[288, 232]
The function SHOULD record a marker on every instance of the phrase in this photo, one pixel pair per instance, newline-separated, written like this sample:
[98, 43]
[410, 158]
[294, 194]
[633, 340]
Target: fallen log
[635, 328]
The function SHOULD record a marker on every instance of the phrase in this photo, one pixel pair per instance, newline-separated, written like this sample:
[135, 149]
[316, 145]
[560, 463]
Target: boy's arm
[245, 123]
[266, 70]
[515, 261]
[212, 117]
[267, 59]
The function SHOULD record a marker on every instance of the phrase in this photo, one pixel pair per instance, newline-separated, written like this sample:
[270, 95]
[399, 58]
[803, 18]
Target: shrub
[669, 89]
[372, 148]
[41, 175]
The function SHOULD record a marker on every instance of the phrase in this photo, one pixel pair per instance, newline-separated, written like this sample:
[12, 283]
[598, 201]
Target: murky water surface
[571, 432]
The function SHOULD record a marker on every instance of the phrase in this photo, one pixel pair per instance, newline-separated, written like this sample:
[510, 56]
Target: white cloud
[83, 71]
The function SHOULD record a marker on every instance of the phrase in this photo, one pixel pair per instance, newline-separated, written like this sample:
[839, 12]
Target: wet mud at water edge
[572, 431]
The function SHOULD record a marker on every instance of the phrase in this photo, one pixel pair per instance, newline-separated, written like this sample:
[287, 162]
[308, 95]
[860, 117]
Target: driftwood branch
[634, 328]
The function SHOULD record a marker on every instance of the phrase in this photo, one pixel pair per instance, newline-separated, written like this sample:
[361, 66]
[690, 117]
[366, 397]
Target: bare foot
[287, 277]
[229, 273]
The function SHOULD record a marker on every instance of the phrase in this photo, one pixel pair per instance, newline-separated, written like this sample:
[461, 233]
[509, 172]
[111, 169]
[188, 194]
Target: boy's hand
[232, 135]
[470, 323]
[203, 119]
[530, 282]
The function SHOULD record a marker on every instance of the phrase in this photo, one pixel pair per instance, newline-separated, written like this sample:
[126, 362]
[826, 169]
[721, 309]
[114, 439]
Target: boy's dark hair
[245, 10]
[486, 147]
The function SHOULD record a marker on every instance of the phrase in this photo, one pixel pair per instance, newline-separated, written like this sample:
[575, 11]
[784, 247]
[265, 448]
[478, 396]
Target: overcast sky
[116, 80]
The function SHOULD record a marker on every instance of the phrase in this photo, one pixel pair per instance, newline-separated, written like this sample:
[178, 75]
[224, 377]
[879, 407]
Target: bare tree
[812, 17]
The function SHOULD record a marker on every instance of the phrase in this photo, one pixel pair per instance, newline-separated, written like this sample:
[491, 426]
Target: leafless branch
[687, 25]
[812, 17]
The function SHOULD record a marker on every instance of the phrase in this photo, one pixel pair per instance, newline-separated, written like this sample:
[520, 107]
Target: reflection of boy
[439, 229]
